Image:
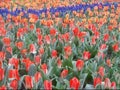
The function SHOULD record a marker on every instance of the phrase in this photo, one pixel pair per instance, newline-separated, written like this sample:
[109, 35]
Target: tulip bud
[113, 85]
[64, 73]
[54, 53]
[107, 83]
[96, 81]
[74, 83]
[47, 85]
[14, 84]
[101, 71]
[86, 55]
[28, 82]
[37, 76]
[79, 64]
[1, 74]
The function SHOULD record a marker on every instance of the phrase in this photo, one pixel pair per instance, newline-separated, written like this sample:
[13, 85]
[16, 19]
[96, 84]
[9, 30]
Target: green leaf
[66, 83]
[92, 67]
[82, 79]
[44, 76]
[21, 82]
[92, 49]
[32, 70]
[39, 85]
[99, 87]
[22, 72]
[89, 79]
[58, 86]
[69, 76]
[1, 45]
[67, 63]
[53, 68]
[89, 86]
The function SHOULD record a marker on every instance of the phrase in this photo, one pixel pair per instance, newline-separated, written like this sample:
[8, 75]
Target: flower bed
[61, 47]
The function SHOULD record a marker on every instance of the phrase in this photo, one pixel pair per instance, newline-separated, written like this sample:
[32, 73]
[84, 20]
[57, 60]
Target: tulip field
[59, 44]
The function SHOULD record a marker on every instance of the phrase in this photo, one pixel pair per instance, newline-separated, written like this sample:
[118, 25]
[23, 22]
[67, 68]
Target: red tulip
[108, 62]
[1, 74]
[14, 62]
[40, 37]
[115, 47]
[66, 37]
[27, 63]
[2, 31]
[68, 50]
[32, 48]
[110, 27]
[2, 55]
[94, 40]
[101, 54]
[86, 55]
[54, 53]
[106, 37]
[79, 64]
[44, 68]
[103, 46]
[19, 45]
[101, 71]
[31, 26]
[18, 34]
[28, 82]
[6, 41]
[81, 34]
[3, 87]
[41, 51]
[94, 28]
[97, 34]
[37, 59]
[13, 73]
[38, 30]
[64, 73]
[47, 85]
[74, 83]
[9, 49]
[47, 39]
[59, 63]
[24, 51]
[53, 32]
[76, 31]
[107, 83]
[96, 81]
[14, 84]
[113, 85]
[37, 76]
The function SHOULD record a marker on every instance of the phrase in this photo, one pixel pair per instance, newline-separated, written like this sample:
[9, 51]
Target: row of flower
[40, 4]
[63, 10]
[74, 51]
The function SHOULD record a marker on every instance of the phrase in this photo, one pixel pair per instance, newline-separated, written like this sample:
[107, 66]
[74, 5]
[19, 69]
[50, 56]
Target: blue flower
[61, 10]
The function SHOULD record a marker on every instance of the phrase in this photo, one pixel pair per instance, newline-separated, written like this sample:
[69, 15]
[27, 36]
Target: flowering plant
[59, 47]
